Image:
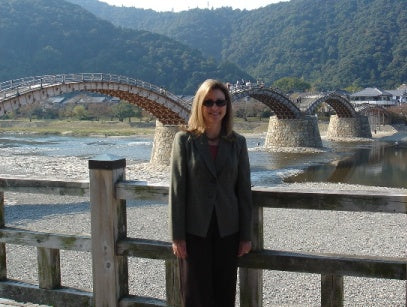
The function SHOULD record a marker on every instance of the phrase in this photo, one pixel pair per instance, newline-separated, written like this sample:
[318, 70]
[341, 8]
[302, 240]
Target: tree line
[90, 111]
[121, 111]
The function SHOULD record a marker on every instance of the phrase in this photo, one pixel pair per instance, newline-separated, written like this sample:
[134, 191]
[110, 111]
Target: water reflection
[381, 164]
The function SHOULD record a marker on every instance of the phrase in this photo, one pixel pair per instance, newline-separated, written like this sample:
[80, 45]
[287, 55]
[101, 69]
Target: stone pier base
[345, 127]
[163, 138]
[301, 132]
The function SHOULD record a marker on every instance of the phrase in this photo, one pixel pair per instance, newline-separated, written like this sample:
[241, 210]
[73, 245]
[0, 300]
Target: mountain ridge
[331, 43]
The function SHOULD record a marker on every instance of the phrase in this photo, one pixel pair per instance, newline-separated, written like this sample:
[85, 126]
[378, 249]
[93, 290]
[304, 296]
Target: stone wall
[344, 127]
[163, 138]
[302, 132]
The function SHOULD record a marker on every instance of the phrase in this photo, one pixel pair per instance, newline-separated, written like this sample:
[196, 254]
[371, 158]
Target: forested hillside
[331, 43]
[39, 37]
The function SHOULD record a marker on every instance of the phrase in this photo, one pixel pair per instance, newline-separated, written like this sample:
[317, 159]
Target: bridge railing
[13, 88]
[110, 246]
[243, 89]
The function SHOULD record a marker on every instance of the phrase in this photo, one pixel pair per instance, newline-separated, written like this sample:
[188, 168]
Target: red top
[214, 150]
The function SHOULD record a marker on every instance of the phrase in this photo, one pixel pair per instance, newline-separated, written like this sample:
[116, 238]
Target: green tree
[292, 84]
[138, 113]
[28, 110]
[123, 110]
[38, 112]
[80, 112]
[99, 110]
[353, 88]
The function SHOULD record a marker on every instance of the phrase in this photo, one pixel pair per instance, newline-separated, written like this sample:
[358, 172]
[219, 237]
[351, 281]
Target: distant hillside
[205, 30]
[332, 43]
[40, 37]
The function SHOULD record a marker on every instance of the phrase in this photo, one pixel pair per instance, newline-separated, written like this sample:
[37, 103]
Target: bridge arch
[168, 108]
[340, 104]
[368, 109]
[377, 115]
[282, 106]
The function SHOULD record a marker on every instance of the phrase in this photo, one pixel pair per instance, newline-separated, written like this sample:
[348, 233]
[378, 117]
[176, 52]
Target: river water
[370, 163]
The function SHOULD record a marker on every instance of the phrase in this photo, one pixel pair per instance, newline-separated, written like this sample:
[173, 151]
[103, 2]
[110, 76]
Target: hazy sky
[180, 5]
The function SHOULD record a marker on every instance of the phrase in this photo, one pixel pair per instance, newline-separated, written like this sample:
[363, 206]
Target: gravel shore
[292, 230]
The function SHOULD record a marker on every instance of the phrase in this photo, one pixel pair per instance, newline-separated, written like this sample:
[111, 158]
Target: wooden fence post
[108, 224]
[3, 259]
[49, 269]
[331, 290]
[172, 282]
[251, 280]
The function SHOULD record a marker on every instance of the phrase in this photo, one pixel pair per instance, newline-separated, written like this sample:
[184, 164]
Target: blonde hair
[196, 123]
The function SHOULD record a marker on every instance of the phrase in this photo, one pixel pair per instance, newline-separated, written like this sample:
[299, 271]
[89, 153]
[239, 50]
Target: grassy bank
[106, 128]
[252, 125]
[78, 128]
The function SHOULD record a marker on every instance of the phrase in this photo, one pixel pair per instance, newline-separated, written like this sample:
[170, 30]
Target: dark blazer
[200, 185]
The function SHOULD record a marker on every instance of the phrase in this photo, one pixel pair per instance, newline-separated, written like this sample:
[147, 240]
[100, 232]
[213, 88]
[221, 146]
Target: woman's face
[214, 114]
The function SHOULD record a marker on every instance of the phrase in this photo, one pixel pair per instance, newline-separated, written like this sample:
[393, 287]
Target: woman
[210, 200]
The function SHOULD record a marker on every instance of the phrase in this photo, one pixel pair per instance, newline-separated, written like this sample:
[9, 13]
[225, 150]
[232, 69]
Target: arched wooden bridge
[165, 106]
[280, 104]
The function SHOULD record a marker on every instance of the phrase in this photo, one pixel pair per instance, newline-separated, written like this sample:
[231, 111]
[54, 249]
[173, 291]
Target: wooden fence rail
[110, 246]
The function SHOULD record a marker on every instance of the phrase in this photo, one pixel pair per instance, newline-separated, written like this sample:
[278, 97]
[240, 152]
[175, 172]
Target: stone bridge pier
[293, 132]
[348, 127]
[162, 145]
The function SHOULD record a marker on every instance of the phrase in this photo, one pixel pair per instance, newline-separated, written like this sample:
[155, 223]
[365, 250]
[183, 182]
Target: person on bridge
[210, 203]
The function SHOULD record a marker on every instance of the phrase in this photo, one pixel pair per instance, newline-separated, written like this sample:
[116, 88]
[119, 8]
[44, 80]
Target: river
[376, 163]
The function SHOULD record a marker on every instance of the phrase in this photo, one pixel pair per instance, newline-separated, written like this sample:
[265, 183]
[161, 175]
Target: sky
[182, 5]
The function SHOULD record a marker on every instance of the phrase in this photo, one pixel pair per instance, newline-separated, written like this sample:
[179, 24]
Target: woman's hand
[179, 247]
[244, 248]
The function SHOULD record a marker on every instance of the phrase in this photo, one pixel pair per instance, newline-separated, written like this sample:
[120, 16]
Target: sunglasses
[209, 103]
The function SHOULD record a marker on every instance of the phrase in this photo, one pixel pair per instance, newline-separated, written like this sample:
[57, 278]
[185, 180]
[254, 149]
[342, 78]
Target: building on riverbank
[399, 95]
[372, 96]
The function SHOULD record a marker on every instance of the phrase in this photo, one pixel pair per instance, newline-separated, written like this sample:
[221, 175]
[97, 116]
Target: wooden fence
[110, 247]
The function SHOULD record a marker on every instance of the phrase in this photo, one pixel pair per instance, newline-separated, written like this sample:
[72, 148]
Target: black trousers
[208, 275]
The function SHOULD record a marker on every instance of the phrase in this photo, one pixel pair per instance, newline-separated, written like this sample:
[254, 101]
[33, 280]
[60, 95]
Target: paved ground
[11, 303]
